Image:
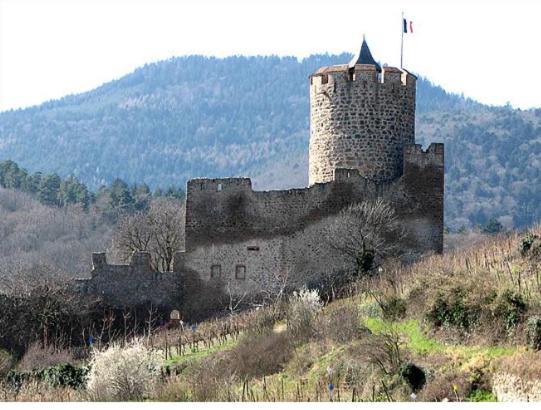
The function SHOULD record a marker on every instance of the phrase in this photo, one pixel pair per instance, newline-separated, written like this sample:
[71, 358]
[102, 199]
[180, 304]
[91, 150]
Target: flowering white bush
[302, 312]
[123, 373]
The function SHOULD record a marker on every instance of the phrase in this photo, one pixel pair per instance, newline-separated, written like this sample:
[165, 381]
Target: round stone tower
[361, 117]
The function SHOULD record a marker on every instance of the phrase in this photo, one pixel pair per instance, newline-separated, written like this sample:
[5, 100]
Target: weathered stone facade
[362, 146]
[360, 119]
[132, 284]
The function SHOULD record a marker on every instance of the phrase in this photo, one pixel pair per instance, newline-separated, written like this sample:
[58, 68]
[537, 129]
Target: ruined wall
[269, 235]
[131, 284]
[360, 120]
[263, 264]
[422, 185]
[228, 210]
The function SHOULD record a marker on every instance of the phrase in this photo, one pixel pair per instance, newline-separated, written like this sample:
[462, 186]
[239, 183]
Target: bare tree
[160, 231]
[366, 233]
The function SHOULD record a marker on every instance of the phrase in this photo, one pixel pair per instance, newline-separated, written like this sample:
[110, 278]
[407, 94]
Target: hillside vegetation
[195, 116]
[464, 326]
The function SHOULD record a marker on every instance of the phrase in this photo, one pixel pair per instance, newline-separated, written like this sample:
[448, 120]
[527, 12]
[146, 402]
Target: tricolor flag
[407, 26]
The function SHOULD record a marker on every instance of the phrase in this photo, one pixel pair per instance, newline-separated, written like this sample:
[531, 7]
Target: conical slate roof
[364, 57]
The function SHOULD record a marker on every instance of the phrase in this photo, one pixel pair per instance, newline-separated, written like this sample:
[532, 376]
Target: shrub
[530, 245]
[509, 307]
[393, 308]
[343, 323]
[453, 386]
[212, 378]
[122, 374]
[533, 331]
[413, 375]
[385, 351]
[261, 355]
[301, 314]
[38, 357]
[480, 395]
[61, 375]
[264, 320]
[453, 309]
[173, 389]
[65, 375]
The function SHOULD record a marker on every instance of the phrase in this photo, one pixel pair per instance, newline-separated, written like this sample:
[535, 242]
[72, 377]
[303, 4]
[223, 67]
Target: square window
[216, 271]
[240, 272]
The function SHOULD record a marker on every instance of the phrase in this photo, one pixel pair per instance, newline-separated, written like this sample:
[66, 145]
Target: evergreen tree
[121, 198]
[49, 190]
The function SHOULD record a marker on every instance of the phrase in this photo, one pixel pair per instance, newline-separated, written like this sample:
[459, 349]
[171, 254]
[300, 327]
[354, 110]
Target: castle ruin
[362, 146]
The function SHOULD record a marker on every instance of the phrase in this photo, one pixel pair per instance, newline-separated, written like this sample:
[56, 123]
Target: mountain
[197, 116]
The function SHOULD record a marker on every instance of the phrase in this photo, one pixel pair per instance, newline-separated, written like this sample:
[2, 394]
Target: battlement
[237, 214]
[414, 155]
[363, 74]
[132, 283]
[219, 184]
[139, 262]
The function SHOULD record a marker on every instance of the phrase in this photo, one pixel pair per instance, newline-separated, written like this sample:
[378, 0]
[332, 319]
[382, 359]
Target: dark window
[253, 248]
[216, 271]
[240, 272]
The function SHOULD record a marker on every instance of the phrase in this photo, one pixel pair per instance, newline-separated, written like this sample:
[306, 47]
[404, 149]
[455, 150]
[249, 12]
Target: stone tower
[361, 117]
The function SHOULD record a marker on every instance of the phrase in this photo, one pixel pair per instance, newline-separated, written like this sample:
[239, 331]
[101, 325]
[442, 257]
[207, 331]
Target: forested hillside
[197, 116]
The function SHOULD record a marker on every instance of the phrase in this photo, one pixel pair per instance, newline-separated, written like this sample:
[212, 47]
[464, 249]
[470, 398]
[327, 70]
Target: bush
[452, 386]
[530, 245]
[38, 357]
[343, 324]
[453, 309]
[413, 375]
[61, 375]
[261, 355]
[264, 320]
[385, 351]
[393, 308]
[509, 307]
[122, 374]
[301, 314]
[480, 395]
[533, 331]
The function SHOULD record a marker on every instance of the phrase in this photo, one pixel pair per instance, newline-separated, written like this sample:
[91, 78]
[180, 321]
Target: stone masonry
[360, 119]
[362, 146]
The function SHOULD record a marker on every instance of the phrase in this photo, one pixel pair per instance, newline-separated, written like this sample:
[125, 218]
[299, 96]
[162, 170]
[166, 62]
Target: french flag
[407, 26]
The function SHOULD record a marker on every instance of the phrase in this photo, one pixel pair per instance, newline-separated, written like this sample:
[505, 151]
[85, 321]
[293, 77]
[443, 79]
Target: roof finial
[364, 56]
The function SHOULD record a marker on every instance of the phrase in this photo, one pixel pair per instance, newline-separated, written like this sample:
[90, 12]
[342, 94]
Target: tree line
[53, 190]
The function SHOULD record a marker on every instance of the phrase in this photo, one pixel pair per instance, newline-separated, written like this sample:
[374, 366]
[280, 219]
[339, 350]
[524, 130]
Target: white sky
[489, 50]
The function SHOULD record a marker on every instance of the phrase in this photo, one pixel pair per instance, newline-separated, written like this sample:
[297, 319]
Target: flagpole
[402, 40]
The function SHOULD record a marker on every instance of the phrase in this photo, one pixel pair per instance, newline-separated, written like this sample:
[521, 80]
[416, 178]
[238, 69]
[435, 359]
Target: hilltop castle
[362, 146]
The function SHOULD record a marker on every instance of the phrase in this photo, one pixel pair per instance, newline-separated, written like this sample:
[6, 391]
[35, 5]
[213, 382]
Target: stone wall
[228, 210]
[132, 284]
[361, 120]
[269, 235]
[362, 146]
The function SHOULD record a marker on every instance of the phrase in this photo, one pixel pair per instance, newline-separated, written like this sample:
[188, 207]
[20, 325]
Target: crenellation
[98, 260]
[362, 147]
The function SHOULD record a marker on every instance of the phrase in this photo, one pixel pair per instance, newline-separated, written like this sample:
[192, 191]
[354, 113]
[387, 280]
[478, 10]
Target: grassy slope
[495, 263]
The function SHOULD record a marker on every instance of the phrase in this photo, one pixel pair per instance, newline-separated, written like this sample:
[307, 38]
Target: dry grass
[39, 357]
[526, 365]
[35, 391]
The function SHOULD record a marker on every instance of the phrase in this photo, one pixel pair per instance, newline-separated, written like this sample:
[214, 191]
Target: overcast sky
[488, 50]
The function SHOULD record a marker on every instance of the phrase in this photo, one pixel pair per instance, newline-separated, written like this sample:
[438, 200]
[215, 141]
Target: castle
[362, 146]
